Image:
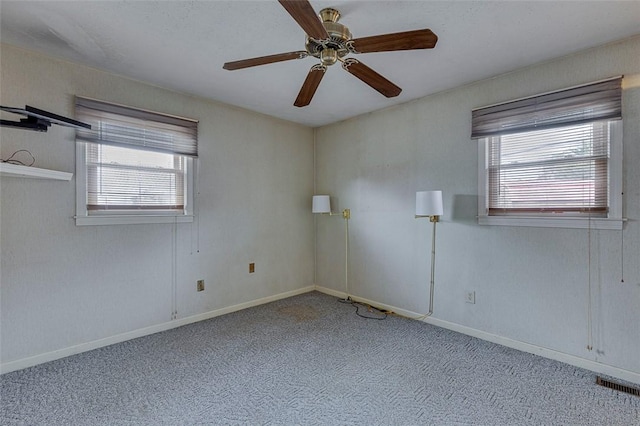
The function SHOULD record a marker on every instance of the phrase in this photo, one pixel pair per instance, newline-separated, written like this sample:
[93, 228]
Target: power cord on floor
[370, 308]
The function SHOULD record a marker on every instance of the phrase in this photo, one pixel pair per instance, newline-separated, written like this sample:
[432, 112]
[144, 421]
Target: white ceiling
[182, 45]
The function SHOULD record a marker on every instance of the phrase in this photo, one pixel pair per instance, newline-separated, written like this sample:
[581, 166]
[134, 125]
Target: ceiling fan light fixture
[328, 56]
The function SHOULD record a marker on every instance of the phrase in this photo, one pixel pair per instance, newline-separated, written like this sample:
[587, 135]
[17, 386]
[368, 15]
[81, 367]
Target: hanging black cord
[11, 160]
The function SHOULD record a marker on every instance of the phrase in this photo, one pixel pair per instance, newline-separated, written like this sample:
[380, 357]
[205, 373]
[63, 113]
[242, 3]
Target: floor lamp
[322, 204]
[429, 204]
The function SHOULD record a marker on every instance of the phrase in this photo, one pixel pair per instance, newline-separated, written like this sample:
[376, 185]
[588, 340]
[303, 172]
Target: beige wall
[531, 284]
[64, 285]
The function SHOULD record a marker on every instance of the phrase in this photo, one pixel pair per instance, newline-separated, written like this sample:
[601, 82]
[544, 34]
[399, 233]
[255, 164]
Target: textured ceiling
[182, 45]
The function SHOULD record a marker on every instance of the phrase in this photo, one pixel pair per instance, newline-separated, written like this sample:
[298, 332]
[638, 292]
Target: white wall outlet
[470, 297]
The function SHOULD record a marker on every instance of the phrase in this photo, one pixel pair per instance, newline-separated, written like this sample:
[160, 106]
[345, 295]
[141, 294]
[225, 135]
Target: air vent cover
[617, 386]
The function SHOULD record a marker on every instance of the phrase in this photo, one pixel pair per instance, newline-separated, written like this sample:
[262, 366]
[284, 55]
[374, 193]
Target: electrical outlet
[200, 285]
[252, 268]
[470, 297]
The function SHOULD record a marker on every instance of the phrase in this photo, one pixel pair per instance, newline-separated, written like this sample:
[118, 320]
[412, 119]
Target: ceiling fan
[330, 42]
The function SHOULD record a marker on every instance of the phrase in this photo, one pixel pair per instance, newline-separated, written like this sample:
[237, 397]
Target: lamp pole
[346, 214]
[322, 204]
[433, 219]
[429, 204]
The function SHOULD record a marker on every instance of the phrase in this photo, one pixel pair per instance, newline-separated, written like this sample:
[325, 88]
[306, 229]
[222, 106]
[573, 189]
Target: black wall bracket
[39, 120]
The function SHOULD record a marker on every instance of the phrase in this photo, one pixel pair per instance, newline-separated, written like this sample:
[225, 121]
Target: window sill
[553, 222]
[131, 219]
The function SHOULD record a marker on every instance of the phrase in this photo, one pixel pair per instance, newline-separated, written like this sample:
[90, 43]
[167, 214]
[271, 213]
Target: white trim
[597, 367]
[83, 218]
[19, 364]
[190, 165]
[552, 222]
[130, 219]
[483, 178]
[615, 170]
[81, 181]
[613, 221]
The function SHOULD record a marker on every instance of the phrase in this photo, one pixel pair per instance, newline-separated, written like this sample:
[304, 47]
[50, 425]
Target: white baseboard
[84, 347]
[597, 367]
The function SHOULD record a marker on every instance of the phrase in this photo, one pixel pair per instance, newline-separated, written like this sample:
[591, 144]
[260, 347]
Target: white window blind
[556, 170]
[128, 179]
[135, 159]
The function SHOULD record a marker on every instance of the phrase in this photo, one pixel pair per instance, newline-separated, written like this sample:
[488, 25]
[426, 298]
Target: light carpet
[309, 360]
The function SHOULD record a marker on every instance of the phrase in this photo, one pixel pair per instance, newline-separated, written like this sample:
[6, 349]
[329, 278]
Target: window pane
[133, 157]
[122, 178]
[136, 164]
[557, 170]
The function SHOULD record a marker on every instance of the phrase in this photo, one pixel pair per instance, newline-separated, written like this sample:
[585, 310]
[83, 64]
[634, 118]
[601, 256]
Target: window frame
[84, 216]
[613, 220]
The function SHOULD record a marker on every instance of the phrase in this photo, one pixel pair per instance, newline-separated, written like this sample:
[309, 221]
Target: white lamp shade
[321, 204]
[429, 203]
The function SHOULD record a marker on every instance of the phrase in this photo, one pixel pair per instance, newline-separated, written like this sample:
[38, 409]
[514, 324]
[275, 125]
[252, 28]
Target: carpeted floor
[309, 360]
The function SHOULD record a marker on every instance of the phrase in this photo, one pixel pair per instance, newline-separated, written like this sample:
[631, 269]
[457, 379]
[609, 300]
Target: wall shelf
[16, 170]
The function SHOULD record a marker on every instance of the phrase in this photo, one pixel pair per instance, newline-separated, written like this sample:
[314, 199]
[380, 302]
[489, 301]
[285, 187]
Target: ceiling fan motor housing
[328, 51]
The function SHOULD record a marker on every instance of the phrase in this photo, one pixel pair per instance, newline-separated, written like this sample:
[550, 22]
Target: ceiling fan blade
[372, 78]
[263, 60]
[310, 85]
[407, 40]
[305, 16]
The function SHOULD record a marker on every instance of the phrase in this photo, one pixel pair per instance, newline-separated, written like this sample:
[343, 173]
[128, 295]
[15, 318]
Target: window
[553, 159]
[133, 166]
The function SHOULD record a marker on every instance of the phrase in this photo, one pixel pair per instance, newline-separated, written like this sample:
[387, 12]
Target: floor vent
[617, 386]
